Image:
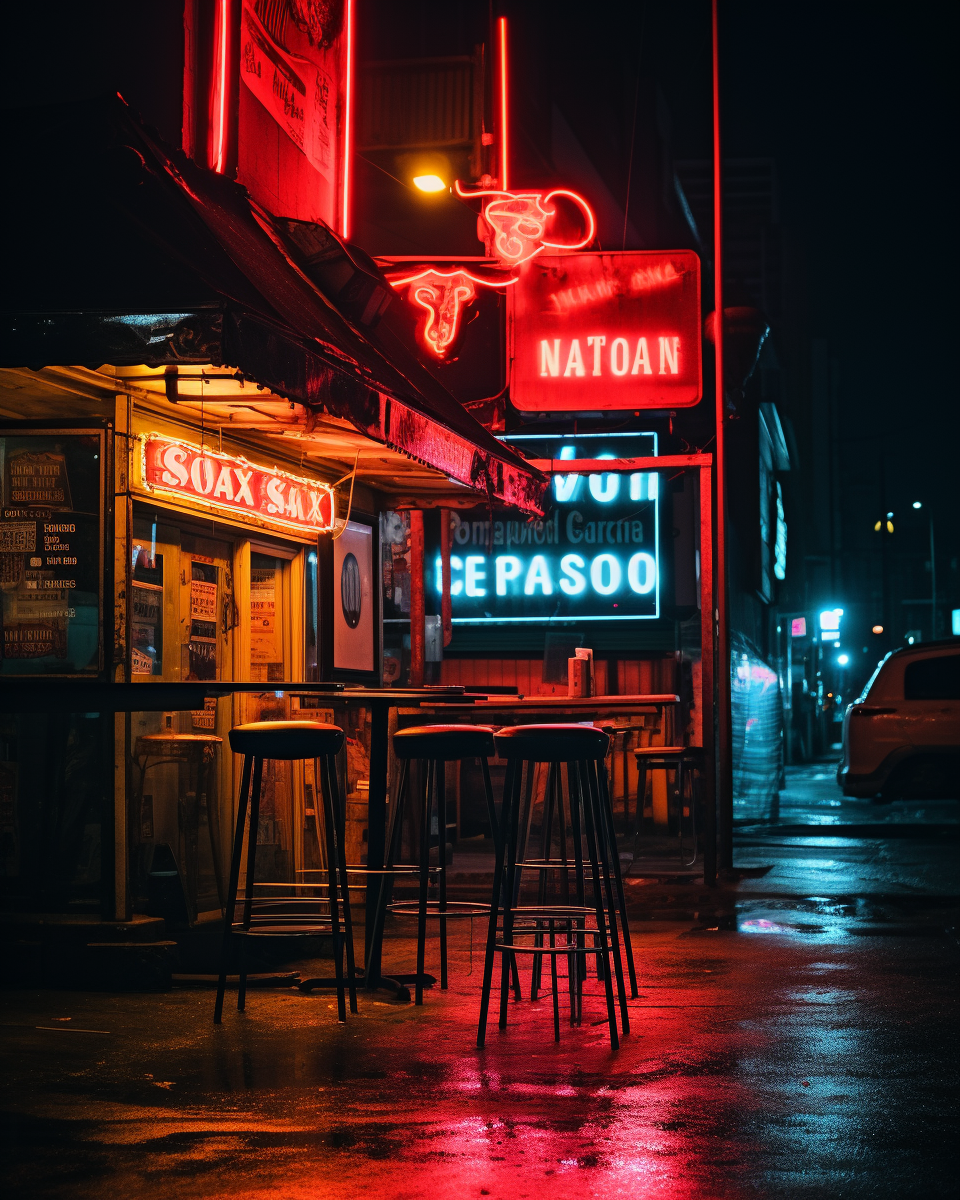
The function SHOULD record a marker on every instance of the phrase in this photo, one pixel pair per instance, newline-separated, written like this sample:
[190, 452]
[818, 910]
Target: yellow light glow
[429, 183]
[878, 629]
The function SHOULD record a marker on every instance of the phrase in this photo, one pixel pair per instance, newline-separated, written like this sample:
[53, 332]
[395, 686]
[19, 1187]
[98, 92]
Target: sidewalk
[795, 1036]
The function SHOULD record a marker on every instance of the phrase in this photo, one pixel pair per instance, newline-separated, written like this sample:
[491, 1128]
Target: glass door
[183, 619]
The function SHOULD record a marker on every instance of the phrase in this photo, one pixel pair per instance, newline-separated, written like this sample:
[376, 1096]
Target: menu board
[51, 552]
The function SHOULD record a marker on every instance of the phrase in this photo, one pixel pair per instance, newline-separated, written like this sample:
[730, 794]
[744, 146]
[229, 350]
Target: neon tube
[347, 124]
[502, 30]
[220, 106]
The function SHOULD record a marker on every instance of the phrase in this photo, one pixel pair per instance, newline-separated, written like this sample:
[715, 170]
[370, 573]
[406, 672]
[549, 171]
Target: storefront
[203, 509]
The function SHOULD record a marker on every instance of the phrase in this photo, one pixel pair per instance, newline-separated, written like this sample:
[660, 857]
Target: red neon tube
[347, 123]
[502, 32]
[220, 95]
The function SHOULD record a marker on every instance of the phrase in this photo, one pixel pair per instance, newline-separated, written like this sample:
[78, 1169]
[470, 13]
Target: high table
[478, 708]
[450, 702]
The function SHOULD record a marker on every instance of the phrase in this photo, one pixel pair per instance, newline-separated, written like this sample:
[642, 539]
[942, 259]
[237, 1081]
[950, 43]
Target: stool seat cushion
[444, 742]
[551, 743]
[662, 752]
[286, 739]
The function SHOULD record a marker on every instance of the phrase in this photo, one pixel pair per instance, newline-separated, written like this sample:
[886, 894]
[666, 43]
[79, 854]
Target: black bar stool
[287, 909]
[433, 746]
[682, 761]
[567, 921]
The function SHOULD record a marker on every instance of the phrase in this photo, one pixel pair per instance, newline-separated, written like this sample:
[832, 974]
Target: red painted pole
[724, 744]
[446, 608]
[416, 598]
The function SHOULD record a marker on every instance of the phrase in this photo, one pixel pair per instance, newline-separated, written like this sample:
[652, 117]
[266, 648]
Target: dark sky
[857, 102]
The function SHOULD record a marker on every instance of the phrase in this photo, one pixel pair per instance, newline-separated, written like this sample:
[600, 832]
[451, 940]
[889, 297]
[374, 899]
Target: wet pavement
[795, 1036]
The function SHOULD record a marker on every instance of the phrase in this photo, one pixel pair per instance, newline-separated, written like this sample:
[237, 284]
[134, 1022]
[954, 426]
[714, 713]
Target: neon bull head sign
[518, 223]
[444, 295]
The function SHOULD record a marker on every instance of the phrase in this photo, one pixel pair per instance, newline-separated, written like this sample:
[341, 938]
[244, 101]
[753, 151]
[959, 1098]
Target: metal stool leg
[233, 885]
[546, 842]
[439, 783]
[592, 772]
[331, 828]
[592, 851]
[607, 811]
[394, 831]
[641, 798]
[553, 981]
[511, 889]
[425, 822]
[496, 898]
[336, 804]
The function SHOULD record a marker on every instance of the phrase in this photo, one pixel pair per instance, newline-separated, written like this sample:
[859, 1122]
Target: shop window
[202, 646]
[266, 640]
[395, 566]
[311, 669]
[146, 600]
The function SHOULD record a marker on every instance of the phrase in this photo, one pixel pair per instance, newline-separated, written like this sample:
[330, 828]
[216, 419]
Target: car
[901, 737]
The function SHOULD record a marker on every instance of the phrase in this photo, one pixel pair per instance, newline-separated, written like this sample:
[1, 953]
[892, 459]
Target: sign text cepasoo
[595, 556]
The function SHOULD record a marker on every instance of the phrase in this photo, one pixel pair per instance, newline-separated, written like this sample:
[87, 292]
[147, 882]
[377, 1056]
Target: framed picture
[350, 602]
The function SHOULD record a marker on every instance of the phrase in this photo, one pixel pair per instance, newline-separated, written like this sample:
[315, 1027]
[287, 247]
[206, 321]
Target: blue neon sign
[595, 556]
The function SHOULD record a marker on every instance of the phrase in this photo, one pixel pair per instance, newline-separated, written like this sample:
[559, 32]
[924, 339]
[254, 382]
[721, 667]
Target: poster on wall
[290, 60]
[51, 552]
[266, 657]
[353, 599]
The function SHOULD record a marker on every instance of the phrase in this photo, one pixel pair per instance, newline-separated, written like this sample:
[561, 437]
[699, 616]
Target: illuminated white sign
[593, 557]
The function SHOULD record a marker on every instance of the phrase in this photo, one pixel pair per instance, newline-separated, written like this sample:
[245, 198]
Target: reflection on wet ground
[777, 1050]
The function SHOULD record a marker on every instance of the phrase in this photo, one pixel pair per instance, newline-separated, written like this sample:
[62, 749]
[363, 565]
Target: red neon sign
[444, 295]
[504, 132]
[347, 120]
[595, 332]
[231, 484]
[220, 87]
[518, 222]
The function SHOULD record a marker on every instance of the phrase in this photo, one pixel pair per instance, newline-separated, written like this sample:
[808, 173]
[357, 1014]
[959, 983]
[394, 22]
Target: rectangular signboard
[233, 485]
[596, 332]
[594, 556]
[51, 551]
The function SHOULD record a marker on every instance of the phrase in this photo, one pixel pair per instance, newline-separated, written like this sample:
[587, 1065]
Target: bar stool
[287, 909]
[681, 760]
[582, 749]
[433, 746]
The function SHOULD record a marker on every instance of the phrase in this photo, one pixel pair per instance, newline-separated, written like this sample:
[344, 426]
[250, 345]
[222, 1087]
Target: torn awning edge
[429, 436]
[264, 352]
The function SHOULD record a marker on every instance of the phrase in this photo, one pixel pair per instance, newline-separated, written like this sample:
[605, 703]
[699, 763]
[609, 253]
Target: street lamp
[933, 576]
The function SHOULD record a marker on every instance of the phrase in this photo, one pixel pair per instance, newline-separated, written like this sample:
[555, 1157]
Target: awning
[120, 250]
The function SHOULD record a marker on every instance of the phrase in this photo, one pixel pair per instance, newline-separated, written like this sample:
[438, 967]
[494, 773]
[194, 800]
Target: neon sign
[444, 295]
[594, 332]
[518, 222]
[594, 557]
[232, 484]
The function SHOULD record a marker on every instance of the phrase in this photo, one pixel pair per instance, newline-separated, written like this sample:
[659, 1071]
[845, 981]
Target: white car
[901, 738]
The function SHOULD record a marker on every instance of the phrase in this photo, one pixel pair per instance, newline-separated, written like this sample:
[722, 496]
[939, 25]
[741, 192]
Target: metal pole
[416, 598]
[707, 678]
[724, 749]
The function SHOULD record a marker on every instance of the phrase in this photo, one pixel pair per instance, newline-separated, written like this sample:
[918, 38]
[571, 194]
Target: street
[795, 1036]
